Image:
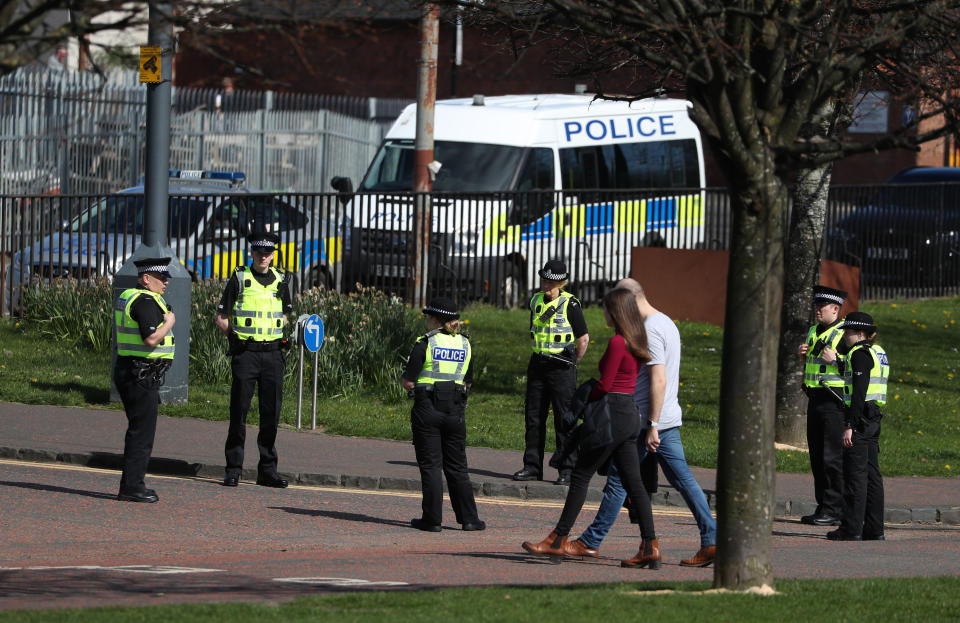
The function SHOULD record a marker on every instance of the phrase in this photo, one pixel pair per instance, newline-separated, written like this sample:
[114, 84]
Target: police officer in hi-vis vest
[438, 375]
[252, 313]
[865, 371]
[560, 340]
[142, 324]
[823, 385]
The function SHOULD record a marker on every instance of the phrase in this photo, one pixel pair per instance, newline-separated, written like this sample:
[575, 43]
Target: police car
[908, 234]
[211, 212]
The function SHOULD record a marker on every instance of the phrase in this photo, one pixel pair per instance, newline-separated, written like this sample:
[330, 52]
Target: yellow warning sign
[150, 63]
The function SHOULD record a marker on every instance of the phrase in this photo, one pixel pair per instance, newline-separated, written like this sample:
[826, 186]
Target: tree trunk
[803, 255]
[746, 469]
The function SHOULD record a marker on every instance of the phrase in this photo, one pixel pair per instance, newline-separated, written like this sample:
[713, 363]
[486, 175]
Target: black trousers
[824, 440]
[548, 383]
[440, 442]
[140, 398]
[863, 484]
[625, 424]
[262, 371]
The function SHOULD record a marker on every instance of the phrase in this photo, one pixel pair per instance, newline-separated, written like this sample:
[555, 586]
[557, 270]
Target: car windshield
[466, 167]
[124, 214]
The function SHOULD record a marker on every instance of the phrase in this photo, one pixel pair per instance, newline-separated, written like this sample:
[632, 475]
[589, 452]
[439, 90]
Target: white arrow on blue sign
[313, 333]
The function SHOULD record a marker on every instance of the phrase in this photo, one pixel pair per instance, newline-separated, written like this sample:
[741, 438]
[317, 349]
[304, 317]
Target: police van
[525, 178]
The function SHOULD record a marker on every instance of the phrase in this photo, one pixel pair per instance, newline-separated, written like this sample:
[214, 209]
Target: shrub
[367, 334]
[367, 337]
[73, 313]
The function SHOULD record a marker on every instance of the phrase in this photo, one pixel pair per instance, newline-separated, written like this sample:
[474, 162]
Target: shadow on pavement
[55, 489]
[342, 516]
[158, 465]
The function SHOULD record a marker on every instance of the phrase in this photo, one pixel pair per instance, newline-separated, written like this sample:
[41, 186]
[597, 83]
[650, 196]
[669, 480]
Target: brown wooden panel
[690, 284]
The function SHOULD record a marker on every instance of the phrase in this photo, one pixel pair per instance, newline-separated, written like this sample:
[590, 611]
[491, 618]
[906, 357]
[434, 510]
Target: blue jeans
[674, 465]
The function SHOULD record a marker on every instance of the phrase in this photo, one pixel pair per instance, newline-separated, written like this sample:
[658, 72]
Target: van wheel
[653, 239]
[321, 277]
[510, 289]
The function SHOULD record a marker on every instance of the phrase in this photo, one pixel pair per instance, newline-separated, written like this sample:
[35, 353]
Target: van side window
[661, 164]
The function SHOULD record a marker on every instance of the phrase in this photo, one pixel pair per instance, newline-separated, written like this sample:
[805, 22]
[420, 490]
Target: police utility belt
[443, 394]
[155, 369]
[261, 347]
[547, 358]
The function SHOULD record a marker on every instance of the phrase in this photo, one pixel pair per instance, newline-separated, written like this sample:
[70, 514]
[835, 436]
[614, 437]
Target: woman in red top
[619, 366]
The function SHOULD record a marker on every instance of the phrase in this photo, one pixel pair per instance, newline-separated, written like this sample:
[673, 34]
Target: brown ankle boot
[648, 556]
[552, 547]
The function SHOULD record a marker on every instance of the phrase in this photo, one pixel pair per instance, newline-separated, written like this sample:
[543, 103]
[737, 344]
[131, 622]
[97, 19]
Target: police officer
[560, 340]
[252, 313]
[438, 374]
[865, 372]
[142, 324]
[823, 384]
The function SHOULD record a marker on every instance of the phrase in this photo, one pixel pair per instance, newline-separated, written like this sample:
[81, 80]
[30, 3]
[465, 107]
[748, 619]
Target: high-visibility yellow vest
[816, 369]
[551, 330]
[448, 358]
[258, 313]
[127, 330]
[879, 373]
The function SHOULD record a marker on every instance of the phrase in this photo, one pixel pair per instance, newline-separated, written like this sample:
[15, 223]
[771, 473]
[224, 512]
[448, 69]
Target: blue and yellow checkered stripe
[592, 219]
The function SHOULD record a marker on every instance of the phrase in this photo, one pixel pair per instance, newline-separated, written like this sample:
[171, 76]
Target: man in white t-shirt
[661, 417]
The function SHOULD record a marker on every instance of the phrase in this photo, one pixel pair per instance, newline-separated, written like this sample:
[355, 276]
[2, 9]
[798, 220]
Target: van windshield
[467, 167]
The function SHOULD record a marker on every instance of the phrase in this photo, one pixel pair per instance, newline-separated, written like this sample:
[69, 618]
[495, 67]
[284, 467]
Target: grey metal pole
[155, 237]
[300, 379]
[316, 360]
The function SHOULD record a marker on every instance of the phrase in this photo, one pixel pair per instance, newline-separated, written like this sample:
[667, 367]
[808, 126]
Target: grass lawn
[921, 433]
[888, 600]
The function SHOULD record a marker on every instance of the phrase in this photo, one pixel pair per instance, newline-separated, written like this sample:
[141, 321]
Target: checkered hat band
[830, 297]
[266, 244]
[442, 312]
[553, 276]
[856, 323]
[153, 269]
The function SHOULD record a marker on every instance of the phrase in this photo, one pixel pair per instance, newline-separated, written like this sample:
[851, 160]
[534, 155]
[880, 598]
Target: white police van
[526, 178]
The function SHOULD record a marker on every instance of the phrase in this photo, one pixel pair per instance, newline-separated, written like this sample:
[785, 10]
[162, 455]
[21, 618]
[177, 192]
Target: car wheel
[320, 277]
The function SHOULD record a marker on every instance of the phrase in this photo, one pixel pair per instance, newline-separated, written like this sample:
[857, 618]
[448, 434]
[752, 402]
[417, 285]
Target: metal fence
[485, 246]
[73, 133]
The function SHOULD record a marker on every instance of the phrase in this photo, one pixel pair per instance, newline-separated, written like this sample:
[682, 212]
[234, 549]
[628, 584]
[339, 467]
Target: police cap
[153, 265]
[823, 294]
[263, 241]
[554, 270]
[442, 308]
[861, 321]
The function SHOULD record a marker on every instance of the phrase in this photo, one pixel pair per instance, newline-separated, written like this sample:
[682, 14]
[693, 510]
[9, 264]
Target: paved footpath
[94, 437]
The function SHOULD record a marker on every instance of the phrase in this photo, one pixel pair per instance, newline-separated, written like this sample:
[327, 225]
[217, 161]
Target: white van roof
[531, 119]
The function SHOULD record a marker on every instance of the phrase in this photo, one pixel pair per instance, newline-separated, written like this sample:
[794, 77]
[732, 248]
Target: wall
[692, 284]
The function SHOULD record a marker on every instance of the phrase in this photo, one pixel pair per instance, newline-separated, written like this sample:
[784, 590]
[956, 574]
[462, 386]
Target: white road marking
[342, 582]
[149, 569]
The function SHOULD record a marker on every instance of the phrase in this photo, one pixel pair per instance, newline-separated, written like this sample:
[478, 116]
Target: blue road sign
[313, 333]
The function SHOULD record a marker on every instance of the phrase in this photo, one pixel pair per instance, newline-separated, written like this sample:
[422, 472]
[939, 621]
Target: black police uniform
[863, 483]
[440, 441]
[255, 365]
[140, 395]
[824, 432]
[551, 381]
